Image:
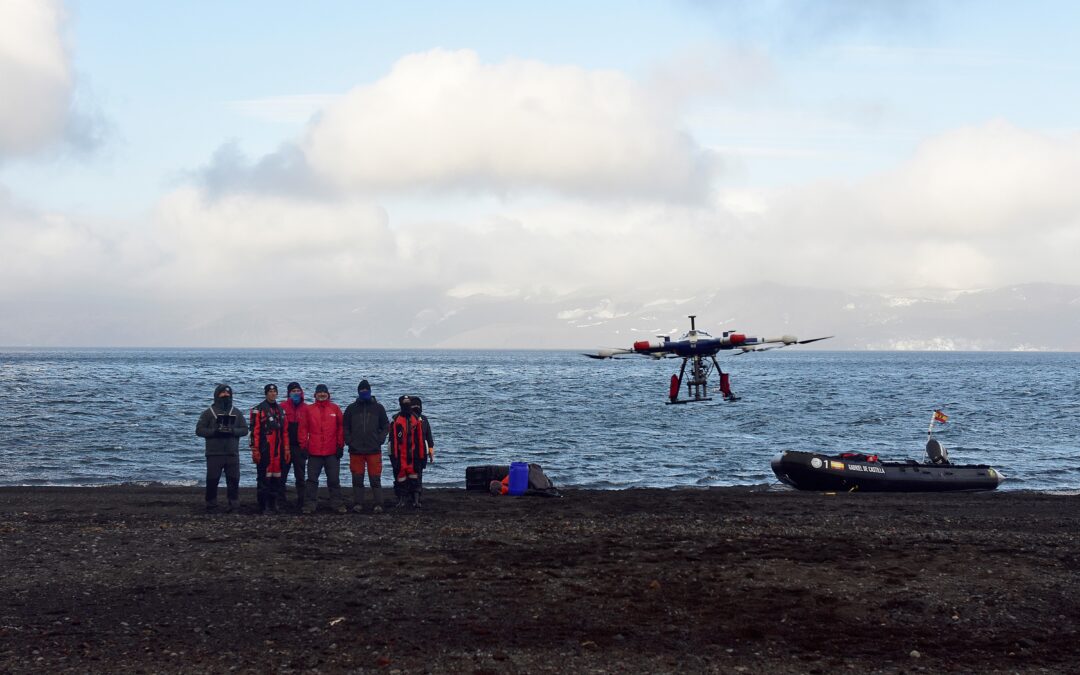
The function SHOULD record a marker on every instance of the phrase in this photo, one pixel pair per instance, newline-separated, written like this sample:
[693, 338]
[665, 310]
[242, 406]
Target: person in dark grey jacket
[222, 425]
[366, 427]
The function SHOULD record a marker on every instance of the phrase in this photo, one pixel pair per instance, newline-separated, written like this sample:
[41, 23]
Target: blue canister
[519, 478]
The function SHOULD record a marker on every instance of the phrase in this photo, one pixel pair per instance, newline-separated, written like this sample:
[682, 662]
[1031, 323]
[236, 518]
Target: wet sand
[125, 579]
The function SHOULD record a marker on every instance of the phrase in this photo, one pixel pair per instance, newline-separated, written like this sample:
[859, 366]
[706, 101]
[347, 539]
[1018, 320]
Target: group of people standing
[309, 439]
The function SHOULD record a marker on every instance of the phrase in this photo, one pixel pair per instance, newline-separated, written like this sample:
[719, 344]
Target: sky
[275, 174]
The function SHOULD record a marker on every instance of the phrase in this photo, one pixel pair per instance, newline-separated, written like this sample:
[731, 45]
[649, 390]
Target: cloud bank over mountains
[504, 199]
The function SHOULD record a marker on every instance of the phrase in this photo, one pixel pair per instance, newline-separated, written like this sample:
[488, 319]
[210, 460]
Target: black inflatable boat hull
[814, 471]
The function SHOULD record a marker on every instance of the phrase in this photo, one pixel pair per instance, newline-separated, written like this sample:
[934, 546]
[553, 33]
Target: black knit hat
[322, 388]
[270, 387]
[293, 385]
[364, 384]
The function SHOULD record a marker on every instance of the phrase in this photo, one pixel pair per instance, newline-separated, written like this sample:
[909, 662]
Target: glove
[256, 456]
[340, 452]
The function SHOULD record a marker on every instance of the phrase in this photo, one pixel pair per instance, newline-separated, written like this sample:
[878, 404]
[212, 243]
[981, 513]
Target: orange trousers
[373, 462]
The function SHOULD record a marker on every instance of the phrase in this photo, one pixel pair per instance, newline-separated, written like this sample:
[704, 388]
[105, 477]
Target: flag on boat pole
[938, 416]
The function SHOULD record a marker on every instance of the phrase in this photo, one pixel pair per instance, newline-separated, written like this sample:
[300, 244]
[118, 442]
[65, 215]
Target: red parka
[325, 433]
[298, 415]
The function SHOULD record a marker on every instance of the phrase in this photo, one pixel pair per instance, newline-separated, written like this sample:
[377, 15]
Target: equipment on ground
[526, 479]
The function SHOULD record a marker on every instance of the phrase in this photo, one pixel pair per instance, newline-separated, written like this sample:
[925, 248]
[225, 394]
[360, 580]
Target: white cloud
[446, 120]
[50, 253]
[976, 180]
[253, 240]
[980, 206]
[35, 76]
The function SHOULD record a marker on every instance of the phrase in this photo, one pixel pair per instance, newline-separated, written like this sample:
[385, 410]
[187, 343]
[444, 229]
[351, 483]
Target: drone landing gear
[697, 385]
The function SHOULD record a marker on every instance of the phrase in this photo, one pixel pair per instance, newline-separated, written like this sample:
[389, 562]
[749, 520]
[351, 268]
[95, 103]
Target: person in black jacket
[222, 425]
[366, 427]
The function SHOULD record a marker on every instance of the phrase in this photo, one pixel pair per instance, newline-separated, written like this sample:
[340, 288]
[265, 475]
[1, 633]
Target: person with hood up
[222, 425]
[407, 453]
[366, 428]
[269, 448]
[325, 445]
[429, 440]
[296, 412]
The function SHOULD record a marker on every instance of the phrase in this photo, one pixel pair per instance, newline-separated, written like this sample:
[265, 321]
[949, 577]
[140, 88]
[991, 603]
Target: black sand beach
[130, 579]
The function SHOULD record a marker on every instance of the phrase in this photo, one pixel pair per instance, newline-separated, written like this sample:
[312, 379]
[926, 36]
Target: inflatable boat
[865, 473]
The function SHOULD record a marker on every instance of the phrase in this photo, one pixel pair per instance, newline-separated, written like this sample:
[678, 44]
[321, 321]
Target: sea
[82, 417]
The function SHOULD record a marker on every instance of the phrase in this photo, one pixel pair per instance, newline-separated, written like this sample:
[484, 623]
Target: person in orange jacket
[408, 453]
[269, 448]
[325, 446]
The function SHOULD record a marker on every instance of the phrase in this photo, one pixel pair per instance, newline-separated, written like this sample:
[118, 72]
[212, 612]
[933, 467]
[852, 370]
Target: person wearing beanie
[269, 448]
[222, 425]
[366, 427]
[408, 455]
[325, 446]
[296, 412]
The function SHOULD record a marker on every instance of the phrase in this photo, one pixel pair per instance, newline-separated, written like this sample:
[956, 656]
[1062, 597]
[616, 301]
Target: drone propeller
[786, 341]
[806, 342]
[610, 353]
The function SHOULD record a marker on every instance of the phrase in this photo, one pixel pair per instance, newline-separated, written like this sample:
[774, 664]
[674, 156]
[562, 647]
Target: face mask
[296, 398]
[416, 412]
[364, 395]
[226, 402]
[406, 409]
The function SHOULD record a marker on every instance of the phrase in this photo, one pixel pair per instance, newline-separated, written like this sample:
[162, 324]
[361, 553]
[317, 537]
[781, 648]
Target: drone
[699, 349]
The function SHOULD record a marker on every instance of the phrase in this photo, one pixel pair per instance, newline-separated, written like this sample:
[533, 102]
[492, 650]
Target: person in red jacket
[296, 413]
[408, 453]
[325, 446]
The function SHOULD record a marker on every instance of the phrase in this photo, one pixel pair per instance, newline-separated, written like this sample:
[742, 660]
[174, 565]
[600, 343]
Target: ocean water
[107, 416]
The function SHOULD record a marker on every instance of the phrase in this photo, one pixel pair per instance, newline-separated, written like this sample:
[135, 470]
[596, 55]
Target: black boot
[376, 489]
[358, 493]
